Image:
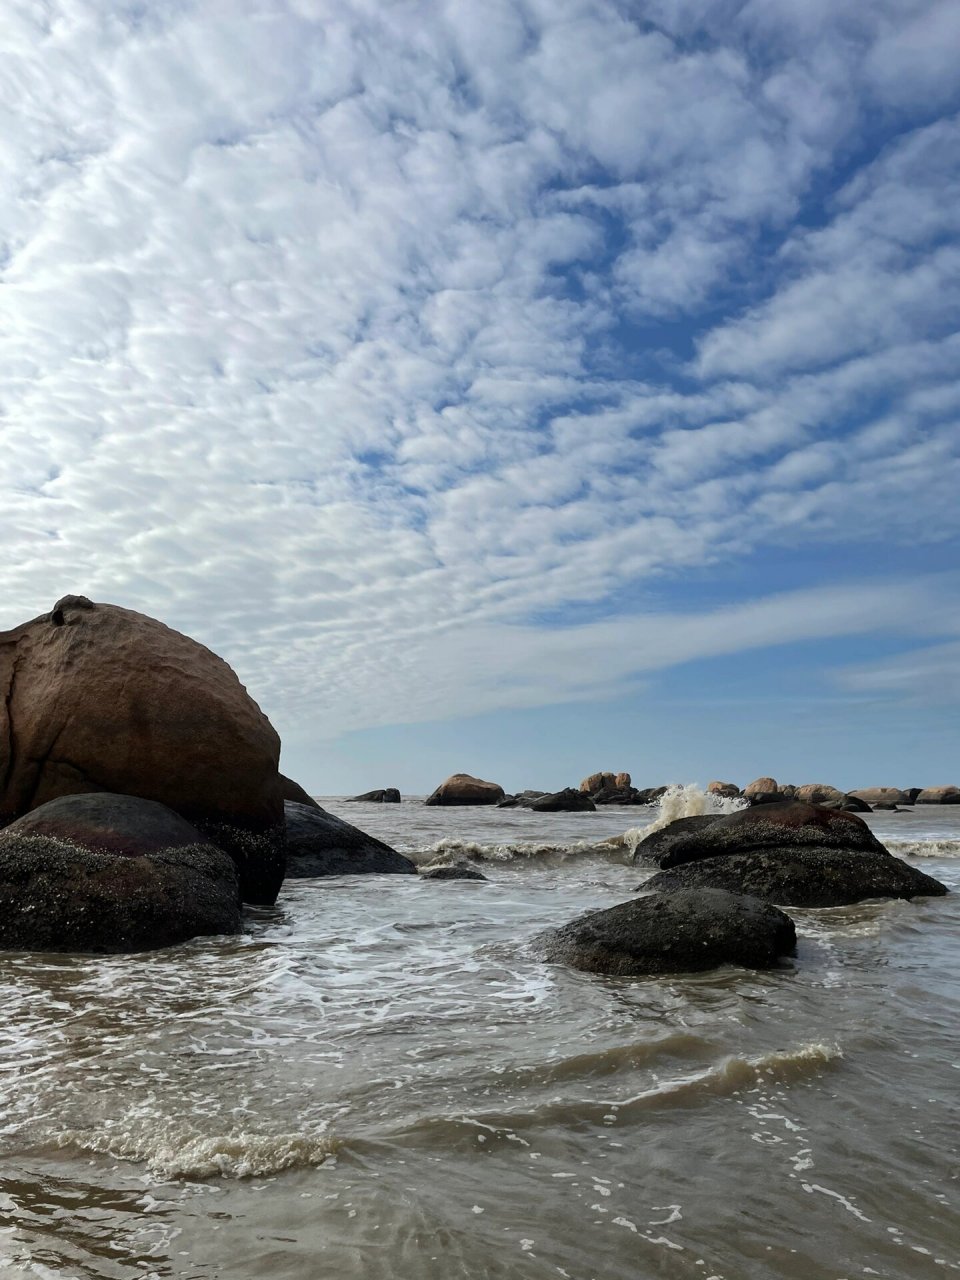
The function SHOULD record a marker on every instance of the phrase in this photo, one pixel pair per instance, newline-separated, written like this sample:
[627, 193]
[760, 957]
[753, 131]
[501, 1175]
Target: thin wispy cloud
[373, 344]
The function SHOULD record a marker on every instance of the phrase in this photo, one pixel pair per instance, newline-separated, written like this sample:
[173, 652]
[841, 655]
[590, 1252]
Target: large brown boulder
[462, 788]
[111, 873]
[761, 787]
[821, 793]
[880, 797]
[99, 698]
[598, 782]
[939, 795]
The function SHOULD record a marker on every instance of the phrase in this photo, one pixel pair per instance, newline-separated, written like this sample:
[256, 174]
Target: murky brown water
[379, 1080]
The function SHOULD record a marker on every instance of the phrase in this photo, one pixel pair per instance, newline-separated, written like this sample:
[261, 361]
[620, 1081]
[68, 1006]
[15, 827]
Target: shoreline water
[379, 1079]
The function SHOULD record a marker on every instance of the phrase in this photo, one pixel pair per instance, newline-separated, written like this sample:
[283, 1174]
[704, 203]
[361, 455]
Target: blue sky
[523, 388]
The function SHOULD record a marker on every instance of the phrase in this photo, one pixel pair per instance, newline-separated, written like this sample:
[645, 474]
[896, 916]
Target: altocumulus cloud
[364, 341]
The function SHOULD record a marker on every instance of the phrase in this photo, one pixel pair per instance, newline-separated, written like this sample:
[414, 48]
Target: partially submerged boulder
[110, 873]
[790, 824]
[463, 788]
[320, 844]
[99, 698]
[880, 797]
[686, 931]
[805, 876]
[385, 795]
[566, 801]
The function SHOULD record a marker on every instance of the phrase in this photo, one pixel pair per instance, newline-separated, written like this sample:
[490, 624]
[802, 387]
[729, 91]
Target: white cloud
[317, 328]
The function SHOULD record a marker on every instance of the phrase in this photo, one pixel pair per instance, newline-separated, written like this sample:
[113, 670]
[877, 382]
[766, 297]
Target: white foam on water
[682, 802]
[170, 1152]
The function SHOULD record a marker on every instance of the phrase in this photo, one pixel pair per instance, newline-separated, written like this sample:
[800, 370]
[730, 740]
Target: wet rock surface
[319, 844]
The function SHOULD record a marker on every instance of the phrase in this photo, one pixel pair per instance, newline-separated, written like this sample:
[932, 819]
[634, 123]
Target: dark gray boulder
[806, 876]
[522, 800]
[569, 800]
[386, 795]
[682, 932]
[787, 825]
[109, 873]
[319, 844]
[291, 790]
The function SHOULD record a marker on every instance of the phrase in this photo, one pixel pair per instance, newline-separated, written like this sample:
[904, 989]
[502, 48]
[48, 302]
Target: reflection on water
[380, 1079]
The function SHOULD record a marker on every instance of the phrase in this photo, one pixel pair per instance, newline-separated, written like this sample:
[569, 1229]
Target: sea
[381, 1079]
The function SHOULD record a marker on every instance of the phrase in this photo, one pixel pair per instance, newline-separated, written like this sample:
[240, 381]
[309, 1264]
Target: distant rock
[761, 787]
[319, 844]
[821, 793]
[386, 795]
[565, 801]
[686, 931]
[939, 795]
[99, 698]
[106, 873]
[880, 797]
[451, 871]
[728, 790]
[463, 789]
[293, 791]
[911, 793]
[523, 800]
[622, 781]
[597, 781]
[804, 876]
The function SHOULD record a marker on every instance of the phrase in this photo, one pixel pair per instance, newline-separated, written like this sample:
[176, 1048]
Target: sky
[522, 389]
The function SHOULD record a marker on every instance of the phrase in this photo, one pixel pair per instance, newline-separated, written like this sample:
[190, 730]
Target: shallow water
[380, 1079]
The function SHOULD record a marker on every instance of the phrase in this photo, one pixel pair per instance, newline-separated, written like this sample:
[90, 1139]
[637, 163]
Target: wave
[680, 802]
[923, 848]
[173, 1152]
[726, 1079]
[453, 850]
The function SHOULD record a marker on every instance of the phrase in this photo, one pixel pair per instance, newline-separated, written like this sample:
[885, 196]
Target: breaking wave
[924, 848]
[681, 802]
[181, 1153]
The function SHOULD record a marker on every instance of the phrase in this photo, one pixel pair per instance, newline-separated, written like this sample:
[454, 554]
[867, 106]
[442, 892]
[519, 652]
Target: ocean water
[380, 1079]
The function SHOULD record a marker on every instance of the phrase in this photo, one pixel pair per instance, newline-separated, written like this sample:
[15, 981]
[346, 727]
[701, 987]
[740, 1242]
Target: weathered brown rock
[939, 795]
[99, 698]
[598, 782]
[821, 793]
[882, 797]
[462, 788]
[761, 787]
[622, 781]
[729, 790]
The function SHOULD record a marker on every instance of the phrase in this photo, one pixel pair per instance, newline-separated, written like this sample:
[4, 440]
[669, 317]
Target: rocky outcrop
[686, 931]
[565, 801]
[462, 789]
[821, 793]
[728, 790]
[110, 873]
[880, 797]
[523, 800]
[386, 795]
[939, 795]
[598, 782]
[806, 876]
[790, 824]
[99, 698]
[291, 790]
[320, 844]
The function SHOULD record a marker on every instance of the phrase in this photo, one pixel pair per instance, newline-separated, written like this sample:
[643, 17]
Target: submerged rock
[686, 931]
[522, 800]
[806, 876]
[386, 795]
[462, 788]
[111, 873]
[99, 698]
[319, 844]
[451, 871]
[566, 801]
[880, 797]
